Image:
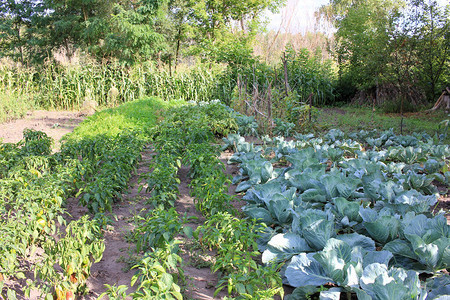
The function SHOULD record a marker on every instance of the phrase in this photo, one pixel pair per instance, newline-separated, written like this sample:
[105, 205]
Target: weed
[130, 260]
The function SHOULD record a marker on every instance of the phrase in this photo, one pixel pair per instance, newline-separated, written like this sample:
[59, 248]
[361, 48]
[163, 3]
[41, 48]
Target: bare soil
[200, 281]
[54, 123]
[114, 268]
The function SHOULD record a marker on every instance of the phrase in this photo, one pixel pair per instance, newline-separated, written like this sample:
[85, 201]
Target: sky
[297, 16]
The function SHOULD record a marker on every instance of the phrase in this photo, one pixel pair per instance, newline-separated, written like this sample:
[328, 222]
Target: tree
[384, 41]
[433, 44]
[16, 28]
[129, 30]
[363, 33]
[74, 24]
[216, 22]
[132, 35]
[172, 21]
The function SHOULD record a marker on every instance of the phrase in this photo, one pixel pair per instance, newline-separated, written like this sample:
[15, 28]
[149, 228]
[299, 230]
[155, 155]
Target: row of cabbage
[351, 214]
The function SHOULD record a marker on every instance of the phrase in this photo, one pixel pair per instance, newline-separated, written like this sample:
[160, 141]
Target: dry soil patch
[54, 123]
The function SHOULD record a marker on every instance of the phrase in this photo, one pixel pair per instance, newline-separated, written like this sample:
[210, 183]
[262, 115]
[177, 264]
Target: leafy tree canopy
[128, 30]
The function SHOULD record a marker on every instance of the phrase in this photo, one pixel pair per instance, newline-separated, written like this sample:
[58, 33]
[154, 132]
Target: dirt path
[232, 170]
[55, 123]
[200, 282]
[113, 269]
[196, 262]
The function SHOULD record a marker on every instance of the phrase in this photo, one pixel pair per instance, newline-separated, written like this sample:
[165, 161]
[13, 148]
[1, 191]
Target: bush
[345, 89]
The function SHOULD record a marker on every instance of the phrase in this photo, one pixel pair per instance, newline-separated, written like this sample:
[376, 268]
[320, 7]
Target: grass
[135, 115]
[13, 106]
[350, 119]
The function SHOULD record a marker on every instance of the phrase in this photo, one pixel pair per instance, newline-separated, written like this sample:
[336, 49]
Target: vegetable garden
[333, 216]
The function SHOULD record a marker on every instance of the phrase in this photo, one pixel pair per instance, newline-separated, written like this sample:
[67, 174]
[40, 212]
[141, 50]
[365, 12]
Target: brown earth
[200, 282]
[54, 123]
[114, 268]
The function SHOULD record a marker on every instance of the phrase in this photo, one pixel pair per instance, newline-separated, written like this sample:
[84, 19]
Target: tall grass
[67, 87]
[59, 86]
[14, 106]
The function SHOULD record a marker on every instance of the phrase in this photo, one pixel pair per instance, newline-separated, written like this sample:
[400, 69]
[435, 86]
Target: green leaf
[283, 246]
[304, 270]
[177, 295]
[318, 233]
[334, 258]
[217, 291]
[188, 231]
[11, 294]
[347, 208]
[259, 213]
[240, 288]
[380, 283]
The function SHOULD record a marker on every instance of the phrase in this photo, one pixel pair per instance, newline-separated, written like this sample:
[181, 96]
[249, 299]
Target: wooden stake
[269, 103]
[401, 112]
[286, 82]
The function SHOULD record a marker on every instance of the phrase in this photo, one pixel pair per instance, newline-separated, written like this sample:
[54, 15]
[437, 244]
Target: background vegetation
[386, 53]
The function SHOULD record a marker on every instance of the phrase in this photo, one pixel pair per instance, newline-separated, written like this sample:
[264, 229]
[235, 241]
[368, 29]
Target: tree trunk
[19, 41]
[177, 52]
[67, 46]
[430, 48]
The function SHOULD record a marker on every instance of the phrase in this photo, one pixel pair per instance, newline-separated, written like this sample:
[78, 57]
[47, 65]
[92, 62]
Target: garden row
[36, 252]
[39, 250]
[185, 137]
[95, 168]
[350, 214]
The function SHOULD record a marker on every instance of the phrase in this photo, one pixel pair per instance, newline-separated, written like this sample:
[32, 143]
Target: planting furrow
[119, 257]
[200, 281]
